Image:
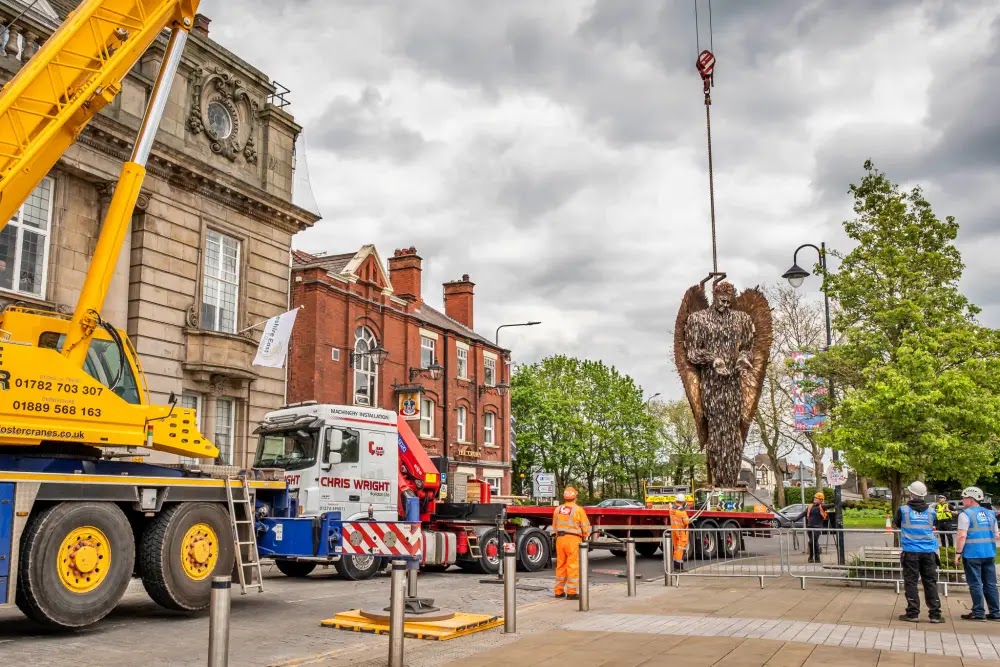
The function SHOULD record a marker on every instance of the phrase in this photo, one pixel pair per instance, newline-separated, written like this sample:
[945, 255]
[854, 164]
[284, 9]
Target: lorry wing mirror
[333, 443]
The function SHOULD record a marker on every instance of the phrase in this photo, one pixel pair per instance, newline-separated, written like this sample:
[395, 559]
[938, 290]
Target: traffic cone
[888, 523]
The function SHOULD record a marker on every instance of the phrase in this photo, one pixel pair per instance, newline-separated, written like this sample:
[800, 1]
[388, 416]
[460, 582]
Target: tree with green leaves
[685, 460]
[585, 421]
[920, 378]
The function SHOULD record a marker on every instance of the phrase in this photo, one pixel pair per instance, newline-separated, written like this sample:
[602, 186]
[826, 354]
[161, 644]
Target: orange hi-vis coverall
[571, 526]
[679, 523]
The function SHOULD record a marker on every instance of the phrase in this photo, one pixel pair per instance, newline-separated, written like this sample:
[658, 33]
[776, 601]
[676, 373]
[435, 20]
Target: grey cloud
[555, 232]
[363, 127]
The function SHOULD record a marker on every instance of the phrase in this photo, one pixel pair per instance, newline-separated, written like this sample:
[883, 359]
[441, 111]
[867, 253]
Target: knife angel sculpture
[722, 352]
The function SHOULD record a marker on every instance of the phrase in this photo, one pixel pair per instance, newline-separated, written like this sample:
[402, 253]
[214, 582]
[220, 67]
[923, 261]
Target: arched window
[365, 368]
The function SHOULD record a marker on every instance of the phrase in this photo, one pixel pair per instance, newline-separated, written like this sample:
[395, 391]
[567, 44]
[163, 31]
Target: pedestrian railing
[865, 556]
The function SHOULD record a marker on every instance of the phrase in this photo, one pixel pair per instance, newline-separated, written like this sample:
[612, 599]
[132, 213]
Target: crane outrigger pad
[459, 625]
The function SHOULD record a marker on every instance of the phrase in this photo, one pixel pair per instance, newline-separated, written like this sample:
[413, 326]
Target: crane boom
[48, 392]
[73, 76]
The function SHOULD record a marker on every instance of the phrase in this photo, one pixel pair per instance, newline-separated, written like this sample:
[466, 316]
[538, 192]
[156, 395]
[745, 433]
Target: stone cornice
[107, 136]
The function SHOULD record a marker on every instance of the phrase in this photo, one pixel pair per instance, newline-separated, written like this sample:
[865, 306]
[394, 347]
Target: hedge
[793, 494]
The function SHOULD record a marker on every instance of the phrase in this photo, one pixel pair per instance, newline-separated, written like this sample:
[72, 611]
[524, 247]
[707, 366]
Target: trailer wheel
[294, 568]
[706, 540]
[358, 568]
[491, 551]
[730, 542]
[533, 550]
[179, 552]
[646, 549]
[76, 563]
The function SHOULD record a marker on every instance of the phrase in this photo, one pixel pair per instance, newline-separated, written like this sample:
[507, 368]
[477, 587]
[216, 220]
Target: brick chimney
[201, 24]
[404, 274]
[458, 300]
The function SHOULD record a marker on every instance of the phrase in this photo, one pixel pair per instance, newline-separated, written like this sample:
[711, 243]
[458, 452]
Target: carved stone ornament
[192, 317]
[224, 111]
[219, 385]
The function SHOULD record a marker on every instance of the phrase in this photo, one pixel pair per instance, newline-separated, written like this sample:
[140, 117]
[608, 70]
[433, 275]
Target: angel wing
[753, 303]
[693, 301]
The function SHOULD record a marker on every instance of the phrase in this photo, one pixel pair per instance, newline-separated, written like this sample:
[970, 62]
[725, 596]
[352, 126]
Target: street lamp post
[795, 277]
[496, 338]
[502, 389]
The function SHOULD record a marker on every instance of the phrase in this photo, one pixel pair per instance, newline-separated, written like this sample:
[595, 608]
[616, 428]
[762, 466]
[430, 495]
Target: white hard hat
[918, 489]
[973, 492]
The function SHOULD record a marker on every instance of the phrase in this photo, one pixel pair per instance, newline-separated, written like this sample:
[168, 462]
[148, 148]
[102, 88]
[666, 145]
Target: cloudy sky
[555, 151]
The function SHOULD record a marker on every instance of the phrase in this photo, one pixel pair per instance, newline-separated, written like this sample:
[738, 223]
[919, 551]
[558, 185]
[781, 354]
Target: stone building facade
[208, 254]
[437, 370]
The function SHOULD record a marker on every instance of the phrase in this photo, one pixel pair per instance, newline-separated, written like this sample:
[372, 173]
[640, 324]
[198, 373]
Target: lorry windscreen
[289, 449]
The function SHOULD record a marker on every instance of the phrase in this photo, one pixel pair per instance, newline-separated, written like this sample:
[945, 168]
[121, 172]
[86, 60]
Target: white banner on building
[273, 347]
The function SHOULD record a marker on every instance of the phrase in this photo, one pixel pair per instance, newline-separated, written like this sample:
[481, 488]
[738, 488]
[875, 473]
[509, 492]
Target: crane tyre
[533, 550]
[295, 568]
[76, 563]
[491, 551]
[359, 568]
[181, 549]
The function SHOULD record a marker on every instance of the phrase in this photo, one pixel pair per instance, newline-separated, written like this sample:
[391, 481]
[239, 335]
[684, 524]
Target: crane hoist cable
[706, 68]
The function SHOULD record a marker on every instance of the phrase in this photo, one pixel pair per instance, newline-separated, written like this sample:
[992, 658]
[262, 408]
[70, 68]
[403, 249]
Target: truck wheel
[706, 540]
[358, 568]
[646, 549]
[295, 568]
[533, 552]
[179, 552]
[76, 563]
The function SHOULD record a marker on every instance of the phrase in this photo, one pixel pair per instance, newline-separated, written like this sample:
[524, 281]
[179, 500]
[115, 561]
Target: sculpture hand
[719, 366]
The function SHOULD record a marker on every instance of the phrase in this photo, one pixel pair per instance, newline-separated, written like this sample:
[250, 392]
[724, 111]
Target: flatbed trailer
[614, 524]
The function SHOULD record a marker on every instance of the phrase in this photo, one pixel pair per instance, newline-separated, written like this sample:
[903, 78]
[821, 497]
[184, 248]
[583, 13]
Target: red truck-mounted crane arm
[418, 476]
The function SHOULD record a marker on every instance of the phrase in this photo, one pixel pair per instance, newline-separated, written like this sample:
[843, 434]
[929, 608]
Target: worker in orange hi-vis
[571, 526]
[679, 523]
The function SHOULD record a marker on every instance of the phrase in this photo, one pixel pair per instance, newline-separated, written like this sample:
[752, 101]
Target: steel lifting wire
[706, 68]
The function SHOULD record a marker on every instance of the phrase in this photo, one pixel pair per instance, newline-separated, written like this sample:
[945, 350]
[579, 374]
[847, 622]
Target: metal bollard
[397, 593]
[584, 576]
[630, 565]
[218, 622]
[668, 558]
[509, 592]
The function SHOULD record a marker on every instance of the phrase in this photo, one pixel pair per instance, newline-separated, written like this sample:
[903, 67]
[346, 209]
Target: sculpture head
[723, 294]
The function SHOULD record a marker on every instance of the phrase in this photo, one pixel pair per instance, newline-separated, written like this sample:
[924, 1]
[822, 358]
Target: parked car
[619, 502]
[784, 517]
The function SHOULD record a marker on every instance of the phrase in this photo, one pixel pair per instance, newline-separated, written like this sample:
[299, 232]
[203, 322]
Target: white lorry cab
[335, 458]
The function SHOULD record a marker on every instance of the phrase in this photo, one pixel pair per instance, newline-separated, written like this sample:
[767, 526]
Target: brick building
[365, 336]
[207, 256]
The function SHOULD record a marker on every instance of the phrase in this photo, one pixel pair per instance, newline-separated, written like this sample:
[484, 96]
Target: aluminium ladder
[244, 503]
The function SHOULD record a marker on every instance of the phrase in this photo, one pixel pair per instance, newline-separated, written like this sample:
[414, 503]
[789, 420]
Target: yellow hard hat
[569, 493]
[819, 494]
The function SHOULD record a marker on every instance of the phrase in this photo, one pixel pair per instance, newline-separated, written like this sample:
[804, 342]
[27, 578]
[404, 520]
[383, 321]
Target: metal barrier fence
[866, 556]
[759, 553]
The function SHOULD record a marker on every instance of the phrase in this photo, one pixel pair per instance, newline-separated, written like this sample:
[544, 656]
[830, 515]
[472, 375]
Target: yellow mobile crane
[51, 384]
[75, 525]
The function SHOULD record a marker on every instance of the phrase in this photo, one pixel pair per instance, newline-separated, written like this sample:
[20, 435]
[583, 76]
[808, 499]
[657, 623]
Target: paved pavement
[723, 622]
[706, 621]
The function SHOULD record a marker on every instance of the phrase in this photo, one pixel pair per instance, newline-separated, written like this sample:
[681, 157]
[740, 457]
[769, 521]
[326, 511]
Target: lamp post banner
[807, 396]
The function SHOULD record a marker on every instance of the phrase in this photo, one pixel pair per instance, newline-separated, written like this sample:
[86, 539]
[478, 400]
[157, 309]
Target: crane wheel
[76, 563]
[181, 549]
[358, 568]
